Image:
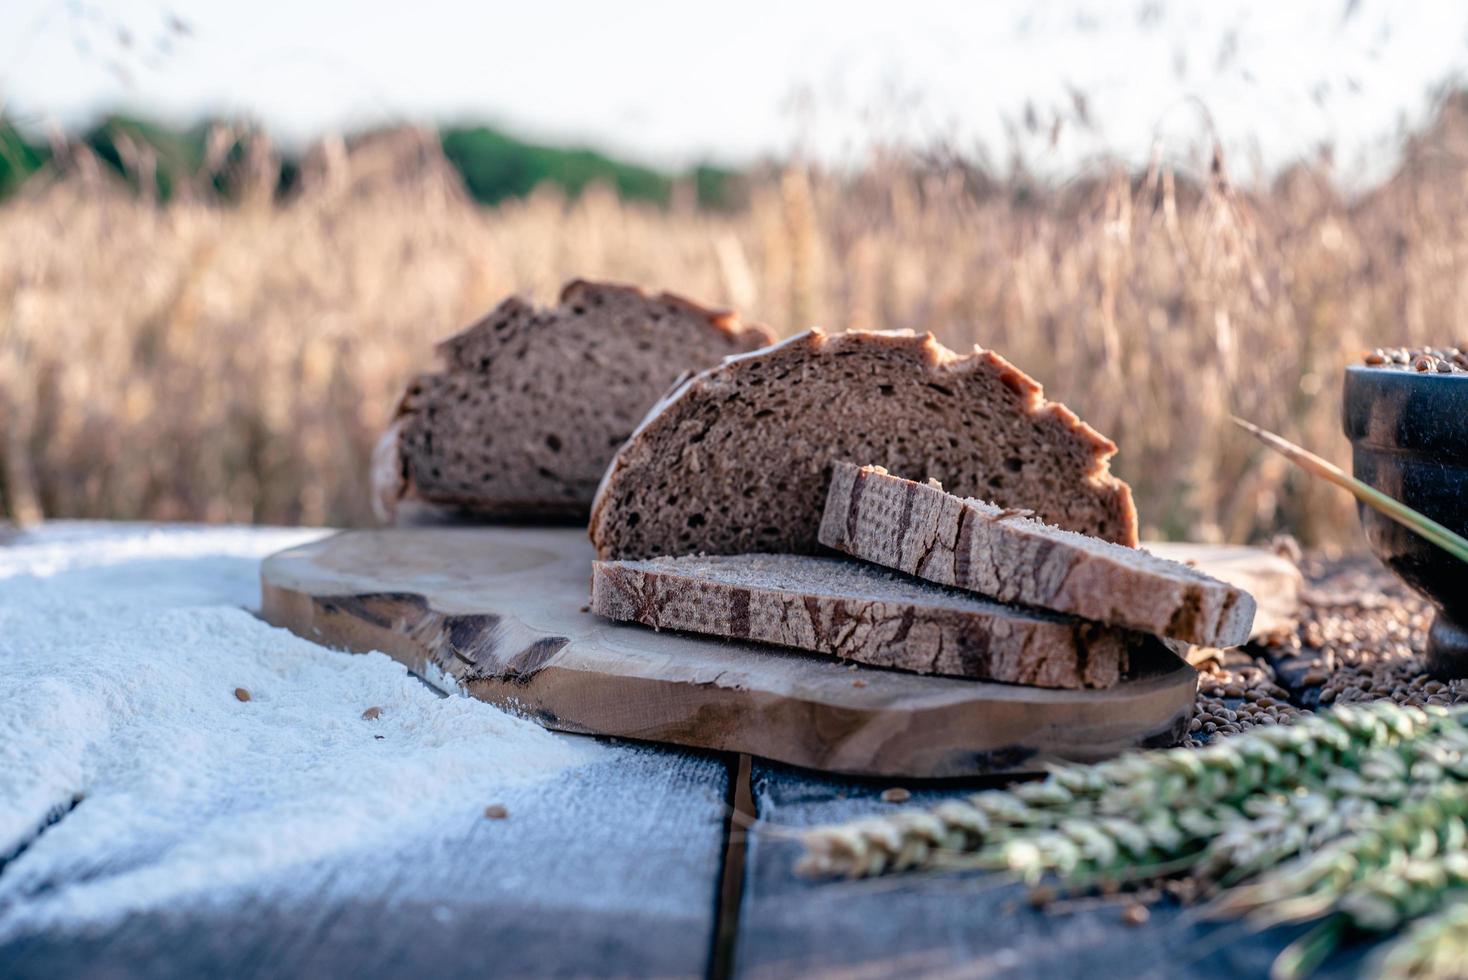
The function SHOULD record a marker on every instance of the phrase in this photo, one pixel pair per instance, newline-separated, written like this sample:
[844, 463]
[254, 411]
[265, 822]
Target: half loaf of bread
[738, 457]
[531, 404]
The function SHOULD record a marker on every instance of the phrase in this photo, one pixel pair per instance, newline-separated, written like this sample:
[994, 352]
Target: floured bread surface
[532, 403]
[860, 612]
[738, 458]
[920, 529]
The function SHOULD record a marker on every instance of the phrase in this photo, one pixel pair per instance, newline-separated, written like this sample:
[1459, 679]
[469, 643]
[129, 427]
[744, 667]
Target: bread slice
[532, 404]
[737, 458]
[919, 529]
[860, 612]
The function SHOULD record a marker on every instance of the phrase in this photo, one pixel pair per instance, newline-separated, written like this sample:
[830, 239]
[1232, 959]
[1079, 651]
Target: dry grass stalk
[234, 363]
[1444, 537]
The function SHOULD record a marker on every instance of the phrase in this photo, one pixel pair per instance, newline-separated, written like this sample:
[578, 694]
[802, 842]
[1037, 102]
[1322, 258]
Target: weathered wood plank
[952, 925]
[613, 871]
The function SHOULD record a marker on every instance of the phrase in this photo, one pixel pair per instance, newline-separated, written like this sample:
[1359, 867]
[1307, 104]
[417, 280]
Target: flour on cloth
[120, 653]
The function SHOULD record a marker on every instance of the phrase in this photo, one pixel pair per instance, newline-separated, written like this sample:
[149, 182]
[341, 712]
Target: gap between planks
[731, 880]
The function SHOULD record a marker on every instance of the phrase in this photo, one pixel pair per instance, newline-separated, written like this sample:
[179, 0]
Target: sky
[1069, 82]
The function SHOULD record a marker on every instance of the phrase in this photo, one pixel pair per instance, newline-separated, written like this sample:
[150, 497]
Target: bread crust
[859, 612]
[472, 371]
[815, 351]
[919, 529]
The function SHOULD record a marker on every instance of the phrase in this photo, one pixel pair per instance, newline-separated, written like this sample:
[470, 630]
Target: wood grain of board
[957, 925]
[502, 613]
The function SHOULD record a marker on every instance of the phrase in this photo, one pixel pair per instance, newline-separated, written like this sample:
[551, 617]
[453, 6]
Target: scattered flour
[120, 652]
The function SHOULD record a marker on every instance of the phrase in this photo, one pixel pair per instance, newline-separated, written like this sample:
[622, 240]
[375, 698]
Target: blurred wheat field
[235, 363]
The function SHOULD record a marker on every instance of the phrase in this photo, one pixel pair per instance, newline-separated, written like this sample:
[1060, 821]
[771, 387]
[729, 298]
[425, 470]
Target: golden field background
[202, 361]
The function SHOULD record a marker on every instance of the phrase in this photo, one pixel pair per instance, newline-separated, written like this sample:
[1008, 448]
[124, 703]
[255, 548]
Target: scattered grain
[1361, 637]
[1444, 360]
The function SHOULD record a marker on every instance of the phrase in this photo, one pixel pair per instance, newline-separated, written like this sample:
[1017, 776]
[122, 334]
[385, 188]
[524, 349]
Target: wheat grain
[1402, 863]
[1367, 808]
[1160, 800]
[1435, 948]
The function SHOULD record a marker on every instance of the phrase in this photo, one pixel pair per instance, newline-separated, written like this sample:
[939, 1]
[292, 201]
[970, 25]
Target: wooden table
[659, 878]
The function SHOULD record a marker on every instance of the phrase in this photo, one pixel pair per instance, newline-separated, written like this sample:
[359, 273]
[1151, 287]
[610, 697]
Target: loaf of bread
[864, 613]
[532, 404]
[738, 457]
[919, 529]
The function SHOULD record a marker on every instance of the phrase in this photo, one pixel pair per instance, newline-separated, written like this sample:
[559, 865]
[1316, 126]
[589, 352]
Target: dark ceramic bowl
[1409, 439]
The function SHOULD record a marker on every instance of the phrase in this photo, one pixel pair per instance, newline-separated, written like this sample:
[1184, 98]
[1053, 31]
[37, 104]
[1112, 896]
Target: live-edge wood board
[501, 612]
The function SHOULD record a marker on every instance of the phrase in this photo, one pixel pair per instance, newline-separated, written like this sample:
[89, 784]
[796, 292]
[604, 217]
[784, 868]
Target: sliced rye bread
[532, 404]
[919, 529]
[737, 458]
[861, 612]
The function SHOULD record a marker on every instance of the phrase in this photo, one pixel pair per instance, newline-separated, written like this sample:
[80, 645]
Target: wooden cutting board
[501, 613]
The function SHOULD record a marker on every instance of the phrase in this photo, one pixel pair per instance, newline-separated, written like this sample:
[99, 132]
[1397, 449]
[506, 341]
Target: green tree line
[493, 164]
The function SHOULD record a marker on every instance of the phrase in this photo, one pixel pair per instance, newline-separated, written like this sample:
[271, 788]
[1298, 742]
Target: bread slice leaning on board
[860, 612]
[737, 458]
[920, 529]
[531, 404]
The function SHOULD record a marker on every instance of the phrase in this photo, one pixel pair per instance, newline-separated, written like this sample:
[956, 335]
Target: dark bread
[919, 529]
[532, 404]
[737, 459]
[860, 612]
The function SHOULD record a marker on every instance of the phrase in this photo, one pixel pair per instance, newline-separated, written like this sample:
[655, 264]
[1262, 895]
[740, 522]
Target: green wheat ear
[1445, 538]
